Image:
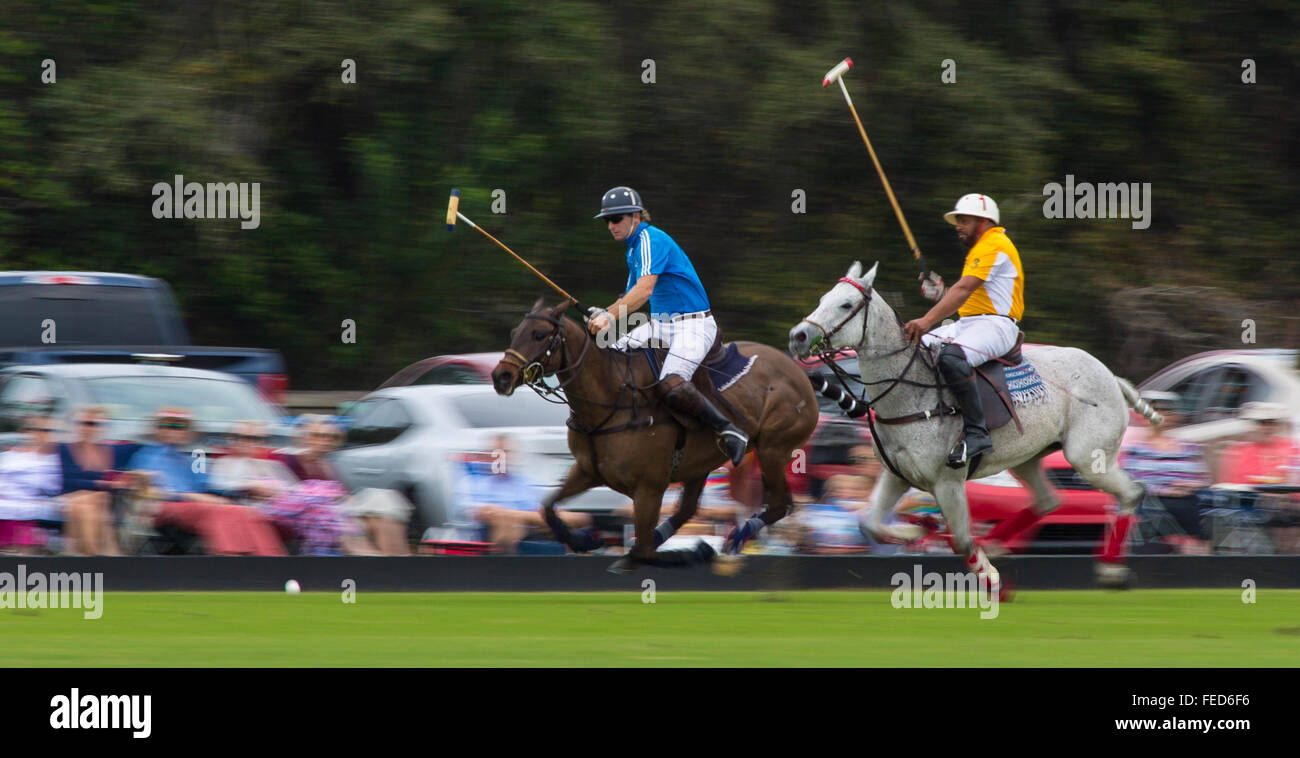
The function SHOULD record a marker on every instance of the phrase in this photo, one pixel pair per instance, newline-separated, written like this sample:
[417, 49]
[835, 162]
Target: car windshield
[137, 397]
[85, 314]
[524, 408]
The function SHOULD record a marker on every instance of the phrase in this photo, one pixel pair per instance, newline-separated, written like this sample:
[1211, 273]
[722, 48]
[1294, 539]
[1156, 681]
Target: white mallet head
[834, 74]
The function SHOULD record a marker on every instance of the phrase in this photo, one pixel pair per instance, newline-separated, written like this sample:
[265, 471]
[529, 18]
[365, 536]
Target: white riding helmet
[973, 205]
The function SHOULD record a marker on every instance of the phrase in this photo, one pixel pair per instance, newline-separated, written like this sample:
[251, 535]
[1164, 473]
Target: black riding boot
[975, 442]
[687, 400]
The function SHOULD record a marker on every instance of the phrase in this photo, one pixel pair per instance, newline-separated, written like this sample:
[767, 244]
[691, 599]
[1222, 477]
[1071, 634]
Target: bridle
[864, 407]
[826, 335]
[532, 371]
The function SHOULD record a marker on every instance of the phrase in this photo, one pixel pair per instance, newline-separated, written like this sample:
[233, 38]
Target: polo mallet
[836, 74]
[453, 213]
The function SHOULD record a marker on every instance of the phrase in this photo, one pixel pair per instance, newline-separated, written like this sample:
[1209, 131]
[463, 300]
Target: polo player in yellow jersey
[990, 299]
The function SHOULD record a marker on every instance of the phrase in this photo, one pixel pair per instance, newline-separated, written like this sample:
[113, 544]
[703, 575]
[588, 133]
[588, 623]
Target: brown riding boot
[687, 400]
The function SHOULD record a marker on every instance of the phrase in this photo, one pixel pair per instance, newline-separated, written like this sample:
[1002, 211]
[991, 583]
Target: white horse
[1085, 414]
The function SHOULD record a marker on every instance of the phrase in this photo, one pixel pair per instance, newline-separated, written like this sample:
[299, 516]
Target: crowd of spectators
[87, 496]
[1205, 492]
[108, 498]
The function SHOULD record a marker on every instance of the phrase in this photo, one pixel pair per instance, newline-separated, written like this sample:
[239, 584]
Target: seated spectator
[866, 467]
[1172, 470]
[505, 501]
[312, 505]
[171, 493]
[381, 512]
[831, 526]
[92, 474]
[244, 473]
[30, 482]
[1268, 455]
[1265, 455]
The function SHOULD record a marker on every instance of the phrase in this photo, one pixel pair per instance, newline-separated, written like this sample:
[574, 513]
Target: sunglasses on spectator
[44, 429]
[615, 219]
[173, 425]
[325, 435]
[90, 422]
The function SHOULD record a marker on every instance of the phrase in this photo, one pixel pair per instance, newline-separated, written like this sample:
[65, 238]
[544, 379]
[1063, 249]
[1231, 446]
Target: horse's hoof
[730, 544]
[1114, 576]
[1006, 593]
[727, 565]
[622, 566]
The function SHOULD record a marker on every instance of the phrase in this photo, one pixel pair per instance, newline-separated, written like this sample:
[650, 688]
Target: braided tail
[1136, 402]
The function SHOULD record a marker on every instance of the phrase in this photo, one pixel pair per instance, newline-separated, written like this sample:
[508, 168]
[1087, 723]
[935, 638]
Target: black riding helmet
[619, 200]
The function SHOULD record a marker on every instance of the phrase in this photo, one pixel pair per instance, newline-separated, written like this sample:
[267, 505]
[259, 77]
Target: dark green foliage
[546, 101]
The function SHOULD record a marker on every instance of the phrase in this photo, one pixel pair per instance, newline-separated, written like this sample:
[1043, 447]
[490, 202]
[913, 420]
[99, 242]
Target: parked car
[131, 393]
[468, 368]
[412, 439]
[1214, 385]
[1076, 526]
[58, 317]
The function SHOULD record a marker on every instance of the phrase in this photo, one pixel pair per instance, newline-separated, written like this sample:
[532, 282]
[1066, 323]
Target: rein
[866, 404]
[533, 372]
[845, 378]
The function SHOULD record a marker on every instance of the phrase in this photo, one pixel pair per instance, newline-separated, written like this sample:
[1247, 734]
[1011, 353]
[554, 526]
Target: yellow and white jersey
[996, 261]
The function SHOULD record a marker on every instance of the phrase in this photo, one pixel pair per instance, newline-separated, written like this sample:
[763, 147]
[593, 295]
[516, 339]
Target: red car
[466, 368]
[1076, 526]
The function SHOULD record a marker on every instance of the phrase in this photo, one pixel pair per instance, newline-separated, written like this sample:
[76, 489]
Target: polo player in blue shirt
[660, 272]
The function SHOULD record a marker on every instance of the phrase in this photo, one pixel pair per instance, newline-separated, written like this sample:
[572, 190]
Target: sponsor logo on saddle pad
[1024, 384]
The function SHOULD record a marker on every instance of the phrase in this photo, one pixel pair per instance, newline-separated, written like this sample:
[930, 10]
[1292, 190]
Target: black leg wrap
[847, 403]
[580, 541]
[701, 553]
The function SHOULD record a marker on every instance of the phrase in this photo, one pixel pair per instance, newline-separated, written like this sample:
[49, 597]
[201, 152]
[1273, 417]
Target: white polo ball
[292, 587]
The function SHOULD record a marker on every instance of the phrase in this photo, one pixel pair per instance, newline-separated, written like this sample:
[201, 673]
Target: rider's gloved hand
[597, 319]
[932, 288]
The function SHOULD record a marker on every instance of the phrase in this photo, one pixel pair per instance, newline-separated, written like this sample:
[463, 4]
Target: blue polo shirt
[678, 289]
[176, 468]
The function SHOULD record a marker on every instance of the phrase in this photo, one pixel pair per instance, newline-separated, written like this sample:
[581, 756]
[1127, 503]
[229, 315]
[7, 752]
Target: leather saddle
[992, 386]
[719, 353]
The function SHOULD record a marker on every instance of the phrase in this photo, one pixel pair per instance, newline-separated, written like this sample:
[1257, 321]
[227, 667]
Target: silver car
[1214, 385]
[131, 393]
[413, 439]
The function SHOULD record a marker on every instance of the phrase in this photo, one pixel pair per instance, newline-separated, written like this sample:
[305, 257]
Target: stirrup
[962, 455]
[737, 455]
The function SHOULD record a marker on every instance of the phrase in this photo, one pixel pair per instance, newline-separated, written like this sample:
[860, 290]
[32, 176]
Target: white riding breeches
[982, 338]
[688, 341]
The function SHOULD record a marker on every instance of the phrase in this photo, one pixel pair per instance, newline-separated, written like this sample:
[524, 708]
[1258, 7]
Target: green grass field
[798, 628]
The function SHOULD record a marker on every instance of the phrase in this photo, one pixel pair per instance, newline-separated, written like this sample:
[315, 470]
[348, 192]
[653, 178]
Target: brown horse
[622, 436]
